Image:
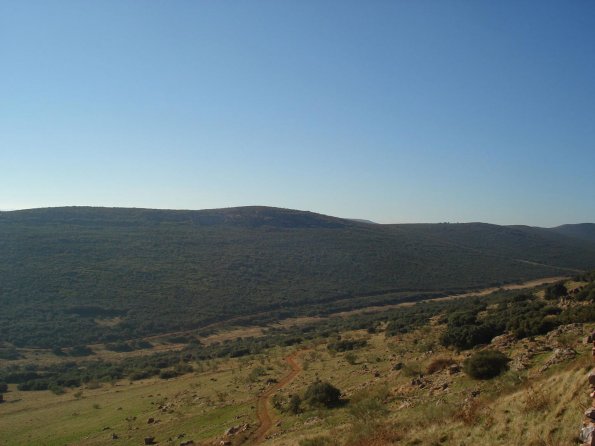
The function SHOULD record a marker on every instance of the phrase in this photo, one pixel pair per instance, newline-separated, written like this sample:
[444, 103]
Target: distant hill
[585, 231]
[361, 220]
[81, 275]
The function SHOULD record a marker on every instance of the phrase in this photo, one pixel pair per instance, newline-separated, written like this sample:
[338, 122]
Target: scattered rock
[559, 355]
[419, 382]
[149, 440]
[232, 431]
[587, 434]
[503, 341]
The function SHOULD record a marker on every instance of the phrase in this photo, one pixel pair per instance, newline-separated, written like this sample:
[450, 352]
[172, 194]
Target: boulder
[149, 440]
[232, 431]
[587, 435]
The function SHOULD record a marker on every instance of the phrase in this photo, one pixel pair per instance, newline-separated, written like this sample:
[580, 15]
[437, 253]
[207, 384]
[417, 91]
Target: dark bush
[295, 403]
[167, 374]
[347, 345]
[555, 291]
[81, 350]
[322, 394]
[486, 364]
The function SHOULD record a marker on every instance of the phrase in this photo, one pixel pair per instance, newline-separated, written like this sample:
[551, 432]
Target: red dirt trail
[262, 403]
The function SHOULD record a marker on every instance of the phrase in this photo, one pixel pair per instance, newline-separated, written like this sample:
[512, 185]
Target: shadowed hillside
[82, 275]
[585, 231]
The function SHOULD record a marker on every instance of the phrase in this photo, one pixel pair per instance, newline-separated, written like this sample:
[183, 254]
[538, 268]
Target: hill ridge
[83, 274]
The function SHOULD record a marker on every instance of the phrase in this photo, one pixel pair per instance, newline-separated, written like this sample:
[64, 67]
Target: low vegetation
[366, 379]
[80, 276]
[486, 364]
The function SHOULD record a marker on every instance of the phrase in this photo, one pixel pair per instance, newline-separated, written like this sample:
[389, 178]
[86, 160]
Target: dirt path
[263, 410]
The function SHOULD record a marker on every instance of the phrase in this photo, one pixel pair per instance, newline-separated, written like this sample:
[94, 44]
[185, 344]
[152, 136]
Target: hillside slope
[585, 231]
[80, 275]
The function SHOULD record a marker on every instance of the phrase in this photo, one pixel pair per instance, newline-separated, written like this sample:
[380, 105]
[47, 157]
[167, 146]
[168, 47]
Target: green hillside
[82, 275]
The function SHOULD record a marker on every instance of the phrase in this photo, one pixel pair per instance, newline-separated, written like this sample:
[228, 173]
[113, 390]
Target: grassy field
[393, 389]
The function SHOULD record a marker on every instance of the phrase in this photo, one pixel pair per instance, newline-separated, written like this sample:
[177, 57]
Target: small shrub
[295, 403]
[323, 394]
[486, 364]
[56, 389]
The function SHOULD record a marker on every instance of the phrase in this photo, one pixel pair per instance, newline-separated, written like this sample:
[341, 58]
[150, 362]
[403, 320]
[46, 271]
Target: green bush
[295, 403]
[486, 364]
[322, 394]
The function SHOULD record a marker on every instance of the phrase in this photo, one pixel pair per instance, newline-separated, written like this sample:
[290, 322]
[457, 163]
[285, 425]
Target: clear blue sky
[395, 111]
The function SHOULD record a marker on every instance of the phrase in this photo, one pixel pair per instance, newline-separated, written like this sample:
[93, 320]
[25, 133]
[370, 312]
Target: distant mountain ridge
[247, 216]
[585, 231]
[63, 270]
